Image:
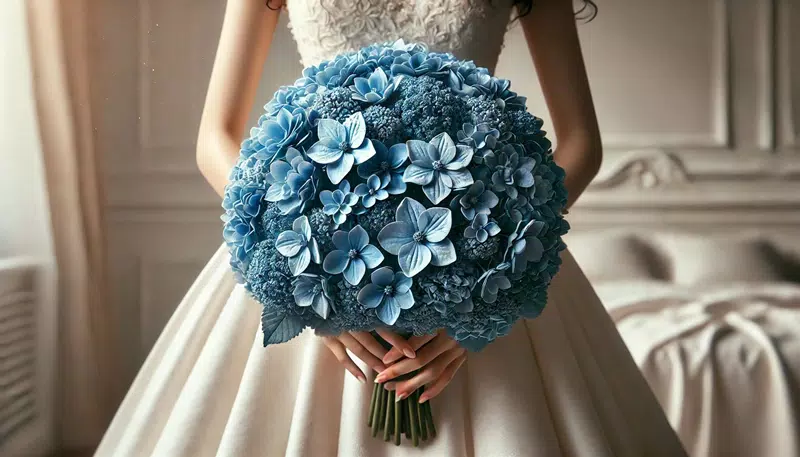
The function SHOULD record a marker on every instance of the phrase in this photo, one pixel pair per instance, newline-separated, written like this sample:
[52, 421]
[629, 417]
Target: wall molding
[789, 135]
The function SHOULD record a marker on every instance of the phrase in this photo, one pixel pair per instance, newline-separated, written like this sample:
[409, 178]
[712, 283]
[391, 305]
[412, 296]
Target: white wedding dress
[563, 384]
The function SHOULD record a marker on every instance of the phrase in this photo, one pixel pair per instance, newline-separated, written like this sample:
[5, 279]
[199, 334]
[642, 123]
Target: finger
[370, 343]
[416, 342]
[435, 388]
[398, 341]
[431, 372]
[426, 355]
[361, 352]
[390, 385]
[338, 350]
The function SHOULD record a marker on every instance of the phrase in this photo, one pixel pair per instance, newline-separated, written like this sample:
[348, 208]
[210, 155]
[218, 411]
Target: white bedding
[723, 360]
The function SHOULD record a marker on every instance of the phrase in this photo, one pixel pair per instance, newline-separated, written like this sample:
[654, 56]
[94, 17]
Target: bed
[713, 321]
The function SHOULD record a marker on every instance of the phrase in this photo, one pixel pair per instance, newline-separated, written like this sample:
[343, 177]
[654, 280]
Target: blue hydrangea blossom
[439, 166]
[389, 165]
[418, 237]
[298, 246]
[340, 146]
[388, 293]
[353, 255]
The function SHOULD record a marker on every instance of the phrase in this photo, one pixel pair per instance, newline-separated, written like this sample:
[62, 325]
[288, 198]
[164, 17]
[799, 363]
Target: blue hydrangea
[418, 237]
[276, 135]
[388, 293]
[375, 89]
[299, 246]
[477, 199]
[383, 124]
[372, 191]
[525, 246]
[339, 203]
[336, 104]
[428, 108]
[439, 166]
[341, 146]
[484, 110]
[293, 183]
[388, 164]
[353, 255]
[481, 138]
[372, 133]
[481, 228]
[313, 291]
[511, 170]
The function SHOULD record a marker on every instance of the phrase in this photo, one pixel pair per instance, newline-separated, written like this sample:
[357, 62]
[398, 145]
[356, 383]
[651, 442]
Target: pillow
[702, 260]
[610, 256]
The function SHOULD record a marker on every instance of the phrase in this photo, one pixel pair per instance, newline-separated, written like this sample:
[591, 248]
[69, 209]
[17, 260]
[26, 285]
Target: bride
[560, 385]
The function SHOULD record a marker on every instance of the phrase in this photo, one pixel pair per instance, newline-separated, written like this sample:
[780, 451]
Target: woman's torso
[470, 29]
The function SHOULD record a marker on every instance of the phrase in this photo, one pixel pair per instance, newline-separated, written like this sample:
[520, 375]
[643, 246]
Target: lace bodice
[470, 29]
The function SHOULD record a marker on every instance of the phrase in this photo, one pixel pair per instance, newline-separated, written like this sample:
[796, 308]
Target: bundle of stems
[406, 417]
[395, 418]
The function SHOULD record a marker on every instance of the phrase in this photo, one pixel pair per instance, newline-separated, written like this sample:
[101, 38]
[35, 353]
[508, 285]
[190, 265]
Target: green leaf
[278, 327]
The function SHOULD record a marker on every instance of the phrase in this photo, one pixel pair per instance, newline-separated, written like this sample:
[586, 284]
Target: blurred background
[690, 233]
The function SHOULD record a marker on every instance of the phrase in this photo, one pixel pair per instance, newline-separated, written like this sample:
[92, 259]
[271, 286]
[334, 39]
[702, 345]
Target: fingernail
[423, 398]
[389, 386]
[409, 353]
[361, 379]
[379, 379]
[399, 397]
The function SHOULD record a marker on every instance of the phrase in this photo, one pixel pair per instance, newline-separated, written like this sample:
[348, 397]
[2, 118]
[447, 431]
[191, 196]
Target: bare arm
[552, 38]
[247, 33]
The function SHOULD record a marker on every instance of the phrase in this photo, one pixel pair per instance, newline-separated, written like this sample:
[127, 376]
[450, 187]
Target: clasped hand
[435, 358]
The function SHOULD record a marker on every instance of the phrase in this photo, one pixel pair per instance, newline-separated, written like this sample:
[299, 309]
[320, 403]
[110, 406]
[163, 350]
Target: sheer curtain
[88, 387]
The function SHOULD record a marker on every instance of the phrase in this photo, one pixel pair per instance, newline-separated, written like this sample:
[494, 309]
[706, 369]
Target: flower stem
[414, 417]
[398, 420]
[379, 403]
[426, 407]
[389, 415]
[372, 403]
[423, 419]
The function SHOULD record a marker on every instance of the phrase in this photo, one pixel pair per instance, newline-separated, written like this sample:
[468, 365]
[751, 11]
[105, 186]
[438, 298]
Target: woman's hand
[364, 346]
[438, 359]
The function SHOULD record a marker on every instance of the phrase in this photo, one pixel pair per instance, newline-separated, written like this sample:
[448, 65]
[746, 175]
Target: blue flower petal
[402, 283]
[300, 262]
[409, 211]
[323, 154]
[416, 174]
[364, 152]
[396, 235]
[404, 300]
[335, 262]
[437, 190]
[435, 224]
[321, 306]
[362, 190]
[358, 238]
[356, 130]
[313, 247]
[462, 158]
[341, 240]
[442, 253]
[339, 169]
[370, 296]
[368, 201]
[372, 256]
[421, 151]
[389, 311]
[355, 271]
[383, 277]
[413, 258]
[460, 178]
[330, 129]
[398, 154]
[289, 243]
[362, 85]
[301, 226]
[326, 198]
[374, 182]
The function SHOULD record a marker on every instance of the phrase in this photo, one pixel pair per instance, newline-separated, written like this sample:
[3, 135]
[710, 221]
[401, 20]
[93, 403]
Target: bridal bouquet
[400, 188]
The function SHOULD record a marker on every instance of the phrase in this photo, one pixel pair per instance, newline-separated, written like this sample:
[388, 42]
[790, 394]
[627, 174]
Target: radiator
[26, 361]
